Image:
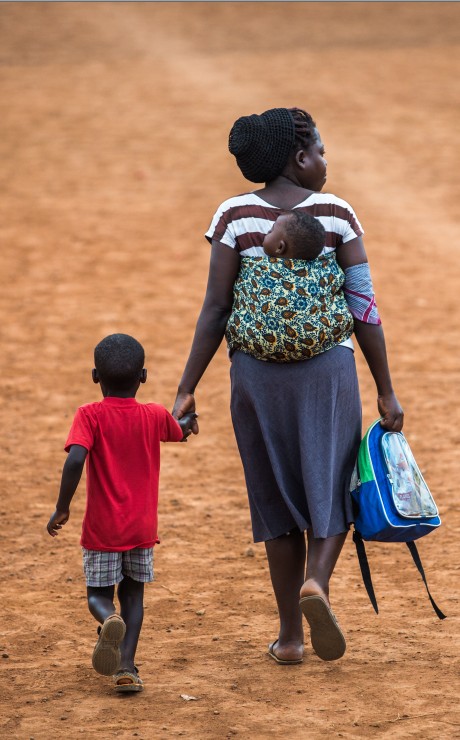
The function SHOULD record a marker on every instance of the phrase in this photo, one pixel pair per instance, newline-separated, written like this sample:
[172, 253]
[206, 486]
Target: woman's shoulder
[251, 198]
[328, 199]
[235, 201]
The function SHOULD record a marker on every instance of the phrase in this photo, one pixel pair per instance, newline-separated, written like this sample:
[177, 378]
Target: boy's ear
[143, 377]
[282, 246]
[94, 375]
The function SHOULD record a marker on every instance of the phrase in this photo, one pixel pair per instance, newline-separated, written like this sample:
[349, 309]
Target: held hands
[186, 424]
[185, 406]
[391, 412]
[57, 521]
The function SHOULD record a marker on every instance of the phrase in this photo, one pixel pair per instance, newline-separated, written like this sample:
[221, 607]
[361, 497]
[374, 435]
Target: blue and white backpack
[392, 502]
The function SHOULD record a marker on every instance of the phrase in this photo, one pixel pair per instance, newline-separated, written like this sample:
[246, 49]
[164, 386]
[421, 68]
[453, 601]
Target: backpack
[391, 501]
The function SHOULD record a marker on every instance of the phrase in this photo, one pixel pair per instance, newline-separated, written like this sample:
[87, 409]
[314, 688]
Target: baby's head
[119, 361]
[295, 235]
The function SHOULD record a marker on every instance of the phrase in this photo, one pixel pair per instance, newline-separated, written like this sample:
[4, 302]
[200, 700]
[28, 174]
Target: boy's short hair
[119, 360]
[306, 234]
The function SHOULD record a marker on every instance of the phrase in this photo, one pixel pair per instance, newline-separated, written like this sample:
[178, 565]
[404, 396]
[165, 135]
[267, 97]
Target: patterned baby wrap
[287, 310]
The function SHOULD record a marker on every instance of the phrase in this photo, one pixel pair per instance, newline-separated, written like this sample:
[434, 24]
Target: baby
[291, 306]
[295, 235]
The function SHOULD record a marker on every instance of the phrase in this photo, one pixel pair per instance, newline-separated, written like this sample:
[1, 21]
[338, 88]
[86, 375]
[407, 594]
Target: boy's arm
[71, 474]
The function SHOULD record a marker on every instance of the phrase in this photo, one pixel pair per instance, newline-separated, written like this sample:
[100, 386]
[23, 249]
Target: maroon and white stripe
[242, 222]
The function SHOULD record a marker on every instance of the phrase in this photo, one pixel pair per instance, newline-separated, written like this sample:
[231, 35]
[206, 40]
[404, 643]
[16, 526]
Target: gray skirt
[298, 429]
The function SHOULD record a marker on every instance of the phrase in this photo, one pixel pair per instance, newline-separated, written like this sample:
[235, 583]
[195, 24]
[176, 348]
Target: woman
[298, 425]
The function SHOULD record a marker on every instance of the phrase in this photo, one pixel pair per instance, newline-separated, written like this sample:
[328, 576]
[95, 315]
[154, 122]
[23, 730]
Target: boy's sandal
[327, 639]
[106, 654]
[126, 681]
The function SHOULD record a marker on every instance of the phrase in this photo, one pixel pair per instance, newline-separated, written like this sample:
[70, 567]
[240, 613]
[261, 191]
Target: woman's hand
[391, 412]
[185, 404]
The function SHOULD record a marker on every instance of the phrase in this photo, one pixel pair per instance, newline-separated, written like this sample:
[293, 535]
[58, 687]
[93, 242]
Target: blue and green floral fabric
[286, 310]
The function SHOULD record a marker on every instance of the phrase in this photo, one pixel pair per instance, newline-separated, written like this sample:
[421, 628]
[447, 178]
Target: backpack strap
[416, 558]
[365, 570]
[366, 573]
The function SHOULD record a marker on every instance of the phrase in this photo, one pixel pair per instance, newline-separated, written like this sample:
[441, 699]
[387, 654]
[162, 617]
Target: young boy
[120, 440]
[291, 306]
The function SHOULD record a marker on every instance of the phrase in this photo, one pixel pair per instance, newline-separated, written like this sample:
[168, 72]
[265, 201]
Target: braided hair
[305, 128]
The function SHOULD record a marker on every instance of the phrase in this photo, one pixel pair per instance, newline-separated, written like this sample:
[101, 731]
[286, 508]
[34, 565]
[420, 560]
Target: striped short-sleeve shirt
[242, 222]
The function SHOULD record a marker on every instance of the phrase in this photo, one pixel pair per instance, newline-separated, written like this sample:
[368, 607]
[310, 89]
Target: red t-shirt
[123, 439]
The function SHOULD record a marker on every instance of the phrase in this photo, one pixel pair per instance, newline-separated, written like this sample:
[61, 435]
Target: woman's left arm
[371, 340]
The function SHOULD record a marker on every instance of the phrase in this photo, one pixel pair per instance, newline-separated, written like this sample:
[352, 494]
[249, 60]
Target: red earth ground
[113, 159]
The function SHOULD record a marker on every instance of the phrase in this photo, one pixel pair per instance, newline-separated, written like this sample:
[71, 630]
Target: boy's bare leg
[322, 556]
[106, 653]
[286, 560]
[131, 598]
[100, 602]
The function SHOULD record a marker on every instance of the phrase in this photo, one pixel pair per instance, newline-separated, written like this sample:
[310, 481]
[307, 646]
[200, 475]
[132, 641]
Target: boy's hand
[187, 423]
[57, 521]
[185, 405]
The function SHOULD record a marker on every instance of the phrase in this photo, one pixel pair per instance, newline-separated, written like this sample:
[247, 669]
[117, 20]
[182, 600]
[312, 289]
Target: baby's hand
[57, 521]
[187, 424]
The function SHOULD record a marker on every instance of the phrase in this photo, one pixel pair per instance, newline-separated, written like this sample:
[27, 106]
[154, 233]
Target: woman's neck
[283, 192]
[292, 180]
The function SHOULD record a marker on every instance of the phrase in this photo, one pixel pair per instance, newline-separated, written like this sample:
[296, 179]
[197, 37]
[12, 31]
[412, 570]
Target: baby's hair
[305, 128]
[119, 360]
[305, 233]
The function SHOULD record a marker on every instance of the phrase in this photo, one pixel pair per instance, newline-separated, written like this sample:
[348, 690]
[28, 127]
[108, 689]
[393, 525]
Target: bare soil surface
[114, 157]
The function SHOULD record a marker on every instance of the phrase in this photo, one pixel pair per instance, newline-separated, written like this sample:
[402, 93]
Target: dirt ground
[113, 155]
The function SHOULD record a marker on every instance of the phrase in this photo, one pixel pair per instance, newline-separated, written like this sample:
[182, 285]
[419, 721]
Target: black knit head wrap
[262, 143]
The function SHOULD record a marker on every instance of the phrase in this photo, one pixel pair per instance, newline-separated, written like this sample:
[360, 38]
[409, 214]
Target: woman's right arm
[372, 344]
[210, 328]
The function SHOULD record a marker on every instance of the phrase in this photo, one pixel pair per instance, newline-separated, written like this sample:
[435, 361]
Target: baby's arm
[71, 474]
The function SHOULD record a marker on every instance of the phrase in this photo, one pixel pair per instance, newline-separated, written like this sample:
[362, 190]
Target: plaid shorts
[108, 568]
